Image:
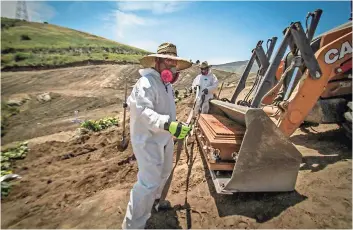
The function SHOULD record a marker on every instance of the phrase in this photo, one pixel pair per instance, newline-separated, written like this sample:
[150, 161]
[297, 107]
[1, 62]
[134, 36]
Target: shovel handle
[124, 108]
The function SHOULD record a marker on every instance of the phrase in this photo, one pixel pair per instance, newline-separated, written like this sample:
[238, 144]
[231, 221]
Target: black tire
[347, 124]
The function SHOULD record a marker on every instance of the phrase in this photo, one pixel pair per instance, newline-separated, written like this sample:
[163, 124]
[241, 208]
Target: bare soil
[84, 181]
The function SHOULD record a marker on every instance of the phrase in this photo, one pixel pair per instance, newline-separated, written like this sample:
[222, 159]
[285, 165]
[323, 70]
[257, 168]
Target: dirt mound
[86, 89]
[83, 181]
[58, 175]
[38, 118]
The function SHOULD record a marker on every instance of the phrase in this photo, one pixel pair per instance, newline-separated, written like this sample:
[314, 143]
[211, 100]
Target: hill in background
[41, 44]
[236, 67]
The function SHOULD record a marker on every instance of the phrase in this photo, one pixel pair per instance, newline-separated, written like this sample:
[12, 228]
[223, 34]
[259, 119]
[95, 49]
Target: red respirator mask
[204, 72]
[169, 75]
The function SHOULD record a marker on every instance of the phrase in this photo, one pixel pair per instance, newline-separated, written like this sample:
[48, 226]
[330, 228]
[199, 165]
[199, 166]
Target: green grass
[38, 44]
[99, 125]
[6, 112]
[38, 59]
[7, 158]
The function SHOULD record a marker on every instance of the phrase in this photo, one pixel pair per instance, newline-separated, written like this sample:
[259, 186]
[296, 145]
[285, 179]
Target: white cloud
[154, 7]
[130, 24]
[127, 21]
[121, 22]
[37, 11]
[127, 18]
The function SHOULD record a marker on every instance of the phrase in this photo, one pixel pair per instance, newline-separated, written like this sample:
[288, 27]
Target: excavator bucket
[245, 151]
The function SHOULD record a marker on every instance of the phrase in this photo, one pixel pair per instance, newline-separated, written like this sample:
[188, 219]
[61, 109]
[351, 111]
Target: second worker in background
[205, 84]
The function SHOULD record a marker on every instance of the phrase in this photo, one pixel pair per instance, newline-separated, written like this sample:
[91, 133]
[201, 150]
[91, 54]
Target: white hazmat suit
[151, 105]
[208, 81]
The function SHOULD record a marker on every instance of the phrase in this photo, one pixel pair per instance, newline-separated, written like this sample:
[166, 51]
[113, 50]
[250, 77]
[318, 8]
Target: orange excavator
[246, 142]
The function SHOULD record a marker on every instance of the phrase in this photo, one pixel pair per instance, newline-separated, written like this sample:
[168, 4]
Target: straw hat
[165, 50]
[205, 65]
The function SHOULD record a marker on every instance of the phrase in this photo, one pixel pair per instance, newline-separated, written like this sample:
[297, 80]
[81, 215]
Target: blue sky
[217, 31]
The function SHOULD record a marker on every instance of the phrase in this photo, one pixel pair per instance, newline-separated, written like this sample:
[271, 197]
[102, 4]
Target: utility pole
[21, 10]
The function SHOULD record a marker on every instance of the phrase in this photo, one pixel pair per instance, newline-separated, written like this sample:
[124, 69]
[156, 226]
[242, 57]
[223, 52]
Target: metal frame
[299, 43]
[262, 60]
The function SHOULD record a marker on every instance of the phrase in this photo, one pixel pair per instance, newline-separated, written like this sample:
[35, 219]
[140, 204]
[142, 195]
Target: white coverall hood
[208, 81]
[151, 105]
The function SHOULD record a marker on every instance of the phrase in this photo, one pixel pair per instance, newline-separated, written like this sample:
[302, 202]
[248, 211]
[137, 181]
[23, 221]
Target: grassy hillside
[41, 44]
[236, 67]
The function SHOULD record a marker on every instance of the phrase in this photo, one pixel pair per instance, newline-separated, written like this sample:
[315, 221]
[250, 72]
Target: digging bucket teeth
[265, 161]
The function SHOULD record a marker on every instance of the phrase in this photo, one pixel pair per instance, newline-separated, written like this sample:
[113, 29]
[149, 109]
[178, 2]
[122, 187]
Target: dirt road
[72, 181]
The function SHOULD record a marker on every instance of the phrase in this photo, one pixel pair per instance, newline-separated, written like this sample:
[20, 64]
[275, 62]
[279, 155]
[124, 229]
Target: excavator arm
[246, 147]
[333, 59]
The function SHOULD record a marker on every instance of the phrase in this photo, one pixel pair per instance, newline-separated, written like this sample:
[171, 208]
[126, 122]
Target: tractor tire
[347, 124]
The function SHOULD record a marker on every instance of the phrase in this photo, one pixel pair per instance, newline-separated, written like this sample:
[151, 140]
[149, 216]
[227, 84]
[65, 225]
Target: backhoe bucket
[264, 159]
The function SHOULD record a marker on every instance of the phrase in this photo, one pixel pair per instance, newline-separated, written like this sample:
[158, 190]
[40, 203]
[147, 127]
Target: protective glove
[177, 129]
[205, 91]
[124, 105]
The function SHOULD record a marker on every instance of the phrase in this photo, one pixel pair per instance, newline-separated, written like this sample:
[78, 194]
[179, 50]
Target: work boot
[163, 205]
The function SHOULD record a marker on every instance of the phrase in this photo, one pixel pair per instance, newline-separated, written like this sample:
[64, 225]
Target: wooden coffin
[222, 134]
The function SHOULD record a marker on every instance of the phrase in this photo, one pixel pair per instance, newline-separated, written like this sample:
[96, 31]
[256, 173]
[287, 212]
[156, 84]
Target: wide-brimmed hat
[205, 65]
[165, 50]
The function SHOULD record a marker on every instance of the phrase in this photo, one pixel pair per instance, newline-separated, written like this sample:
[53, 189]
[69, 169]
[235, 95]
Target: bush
[45, 22]
[21, 56]
[25, 37]
[7, 158]
[7, 25]
[6, 112]
[99, 124]
[5, 59]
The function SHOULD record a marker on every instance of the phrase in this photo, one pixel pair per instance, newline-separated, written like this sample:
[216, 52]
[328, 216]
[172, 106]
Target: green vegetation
[99, 124]
[42, 44]
[6, 112]
[7, 158]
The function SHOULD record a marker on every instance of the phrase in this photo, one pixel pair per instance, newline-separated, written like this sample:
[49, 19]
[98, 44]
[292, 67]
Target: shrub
[7, 158]
[21, 56]
[25, 37]
[99, 124]
[6, 59]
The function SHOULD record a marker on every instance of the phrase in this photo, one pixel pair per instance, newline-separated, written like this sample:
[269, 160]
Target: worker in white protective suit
[206, 84]
[152, 127]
